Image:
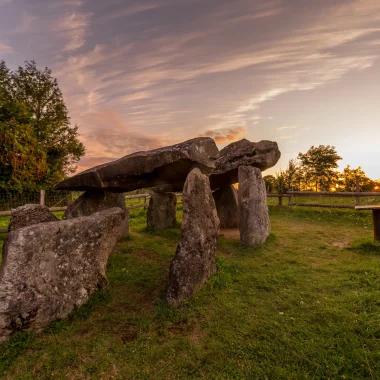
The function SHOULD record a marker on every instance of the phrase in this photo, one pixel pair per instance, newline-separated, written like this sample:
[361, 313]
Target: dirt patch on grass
[340, 244]
[230, 233]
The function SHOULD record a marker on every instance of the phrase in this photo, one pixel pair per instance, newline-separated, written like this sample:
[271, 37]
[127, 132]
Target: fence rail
[294, 199]
[144, 196]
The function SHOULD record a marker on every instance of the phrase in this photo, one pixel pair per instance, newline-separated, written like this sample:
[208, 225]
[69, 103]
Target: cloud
[130, 11]
[283, 128]
[74, 28]
[107, 137]
[210, 69]
[5, 49]
[225, 134]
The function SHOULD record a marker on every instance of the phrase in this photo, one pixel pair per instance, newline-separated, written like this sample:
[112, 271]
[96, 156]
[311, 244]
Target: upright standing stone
[226, 201]
[50, 268]
[253, 208]
[162, 211]
[194, 261]
[95, 201]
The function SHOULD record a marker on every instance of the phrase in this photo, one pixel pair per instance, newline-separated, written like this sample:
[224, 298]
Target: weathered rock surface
[262, 155]
[50, 268]
[28, 215]
[253, 209]
[94, 201]
[165, 168]
[226, 201]
[162, 211]
[194, 261]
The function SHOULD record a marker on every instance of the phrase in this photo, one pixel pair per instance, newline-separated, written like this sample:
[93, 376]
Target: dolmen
[50, 267]
[184, 166]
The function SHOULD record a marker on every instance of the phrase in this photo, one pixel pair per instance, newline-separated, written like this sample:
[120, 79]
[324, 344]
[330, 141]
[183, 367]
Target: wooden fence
[290, 196]
[144, 197]
[293, 195]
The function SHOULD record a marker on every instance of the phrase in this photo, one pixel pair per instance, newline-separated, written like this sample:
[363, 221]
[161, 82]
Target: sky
[138, 75]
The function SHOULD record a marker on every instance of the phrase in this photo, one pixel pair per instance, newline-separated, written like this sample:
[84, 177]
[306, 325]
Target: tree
[348, 179]
[270, 181]
[22, 161]
[39, 93]
[319, 165]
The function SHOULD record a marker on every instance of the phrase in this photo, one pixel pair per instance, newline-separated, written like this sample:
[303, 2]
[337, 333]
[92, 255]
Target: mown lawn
[304, 305]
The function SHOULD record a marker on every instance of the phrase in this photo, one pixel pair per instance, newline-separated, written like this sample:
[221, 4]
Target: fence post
[357, 190]
[279, 200]
[42, 197]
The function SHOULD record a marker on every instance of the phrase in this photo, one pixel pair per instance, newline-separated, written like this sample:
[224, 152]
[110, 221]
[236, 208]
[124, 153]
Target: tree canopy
[38, 145]
[317, 170]
[319, 165]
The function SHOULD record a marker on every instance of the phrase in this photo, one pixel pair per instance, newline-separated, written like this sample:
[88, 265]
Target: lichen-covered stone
[253, 208]
[165, 168]
[194, 261]
[94, 201]
[28, 215]
[162, 211]
[263, 155]
[226, 201]
[50, 268]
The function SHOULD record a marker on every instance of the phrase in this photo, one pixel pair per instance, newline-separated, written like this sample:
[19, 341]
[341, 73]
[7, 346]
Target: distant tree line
[38, 146]
[316, 170]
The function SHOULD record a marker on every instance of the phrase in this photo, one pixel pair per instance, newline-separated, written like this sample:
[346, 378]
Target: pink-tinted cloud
[226, 134]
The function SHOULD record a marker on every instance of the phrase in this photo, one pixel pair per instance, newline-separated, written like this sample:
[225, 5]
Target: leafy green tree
[39, 93]
[319, 165]
[22, 161]
[348, 180]
[270, 181]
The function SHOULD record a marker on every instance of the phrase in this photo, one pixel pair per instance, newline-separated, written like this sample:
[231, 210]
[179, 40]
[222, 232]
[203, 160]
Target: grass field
[306, 304]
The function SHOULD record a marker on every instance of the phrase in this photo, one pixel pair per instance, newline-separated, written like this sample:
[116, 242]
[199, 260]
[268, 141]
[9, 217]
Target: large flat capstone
[194, 261]
[50, 268]
[165, 168]
[263, 155]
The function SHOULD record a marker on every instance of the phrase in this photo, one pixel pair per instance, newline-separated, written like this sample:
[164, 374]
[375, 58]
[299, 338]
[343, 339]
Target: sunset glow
[137, 75]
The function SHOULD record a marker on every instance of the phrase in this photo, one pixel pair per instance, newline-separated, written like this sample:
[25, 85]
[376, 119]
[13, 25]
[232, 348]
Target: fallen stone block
[49, 269]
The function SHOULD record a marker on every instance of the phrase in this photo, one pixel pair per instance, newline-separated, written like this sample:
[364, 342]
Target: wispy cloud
[284, 128]
[74, 28]
[5, 49]
[224, 135]
[174, 70]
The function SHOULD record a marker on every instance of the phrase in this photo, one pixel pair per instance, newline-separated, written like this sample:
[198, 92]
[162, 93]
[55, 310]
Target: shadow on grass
[366, 246]
[21, 341]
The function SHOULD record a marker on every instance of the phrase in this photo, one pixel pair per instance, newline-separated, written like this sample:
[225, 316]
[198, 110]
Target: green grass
[306, 304]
